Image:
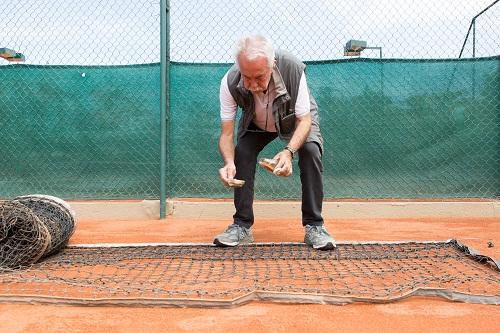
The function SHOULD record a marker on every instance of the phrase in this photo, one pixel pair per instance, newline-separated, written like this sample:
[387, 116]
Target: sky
[121, 32]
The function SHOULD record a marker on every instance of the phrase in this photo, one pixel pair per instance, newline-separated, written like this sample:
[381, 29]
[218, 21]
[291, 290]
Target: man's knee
[310, 158]
[310, 149]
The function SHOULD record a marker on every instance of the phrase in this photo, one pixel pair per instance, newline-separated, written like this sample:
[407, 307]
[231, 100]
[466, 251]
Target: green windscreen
[392, 129]
[80, 132]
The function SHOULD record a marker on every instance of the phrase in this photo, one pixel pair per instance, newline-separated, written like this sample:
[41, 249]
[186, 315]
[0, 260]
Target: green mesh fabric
[392, 128]
[80, 132]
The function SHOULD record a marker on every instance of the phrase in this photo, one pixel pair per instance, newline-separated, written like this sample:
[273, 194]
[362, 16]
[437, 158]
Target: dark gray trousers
[311, 176]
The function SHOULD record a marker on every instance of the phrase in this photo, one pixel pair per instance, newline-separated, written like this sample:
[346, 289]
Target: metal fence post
[164, 102]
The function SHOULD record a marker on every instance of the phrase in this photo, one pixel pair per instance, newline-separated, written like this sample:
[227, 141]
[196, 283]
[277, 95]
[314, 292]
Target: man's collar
[279, 85]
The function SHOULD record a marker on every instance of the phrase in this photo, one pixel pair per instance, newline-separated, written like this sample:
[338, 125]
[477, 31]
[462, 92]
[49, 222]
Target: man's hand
[226, 148]
[284, 157]
[284, 166]
[227, 174]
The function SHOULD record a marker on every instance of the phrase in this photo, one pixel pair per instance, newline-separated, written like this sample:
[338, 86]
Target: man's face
[256, 73]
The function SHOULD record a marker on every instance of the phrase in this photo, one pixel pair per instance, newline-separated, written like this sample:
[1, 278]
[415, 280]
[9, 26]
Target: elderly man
[271, 89]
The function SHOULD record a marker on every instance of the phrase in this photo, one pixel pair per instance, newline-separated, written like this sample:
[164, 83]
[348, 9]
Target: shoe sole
[328, 246]
[217, 242]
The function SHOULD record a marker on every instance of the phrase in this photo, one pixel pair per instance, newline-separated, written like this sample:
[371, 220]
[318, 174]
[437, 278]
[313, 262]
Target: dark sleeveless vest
[286, 75]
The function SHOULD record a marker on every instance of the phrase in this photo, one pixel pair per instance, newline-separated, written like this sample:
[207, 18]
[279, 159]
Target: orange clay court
[194, 225]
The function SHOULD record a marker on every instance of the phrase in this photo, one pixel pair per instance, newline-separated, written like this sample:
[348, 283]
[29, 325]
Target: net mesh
[203, 275]
[32, 227]
[23, 237]
[55, 214]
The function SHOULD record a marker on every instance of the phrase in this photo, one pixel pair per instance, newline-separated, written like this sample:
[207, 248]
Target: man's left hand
[284, 166]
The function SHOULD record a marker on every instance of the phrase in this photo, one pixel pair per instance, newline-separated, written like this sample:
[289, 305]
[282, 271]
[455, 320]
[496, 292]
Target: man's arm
[301, 133]
[302, 129]
[226, 149]
[226, 140]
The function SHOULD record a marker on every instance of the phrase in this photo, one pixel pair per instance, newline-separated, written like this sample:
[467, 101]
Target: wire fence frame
[183, 46]
[473, 26]
[164, 104]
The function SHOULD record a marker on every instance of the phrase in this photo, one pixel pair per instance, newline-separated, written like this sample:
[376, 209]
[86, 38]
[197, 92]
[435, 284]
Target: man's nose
[253, 84]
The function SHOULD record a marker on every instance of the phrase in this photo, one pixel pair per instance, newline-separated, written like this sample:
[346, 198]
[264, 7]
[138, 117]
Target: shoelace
[319, 230]
[235, 229]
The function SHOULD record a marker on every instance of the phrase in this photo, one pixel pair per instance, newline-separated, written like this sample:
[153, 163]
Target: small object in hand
[235, 183]
[268, 163]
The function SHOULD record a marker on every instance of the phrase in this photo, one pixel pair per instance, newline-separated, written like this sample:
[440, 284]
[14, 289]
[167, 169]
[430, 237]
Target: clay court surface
[415, 314]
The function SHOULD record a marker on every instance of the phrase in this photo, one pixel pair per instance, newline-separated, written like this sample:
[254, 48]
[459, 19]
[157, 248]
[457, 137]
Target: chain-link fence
[406, 118]
[81, 118]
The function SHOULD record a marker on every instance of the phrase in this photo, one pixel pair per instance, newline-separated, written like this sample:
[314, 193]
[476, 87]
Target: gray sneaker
[317, 237]
[233, 236]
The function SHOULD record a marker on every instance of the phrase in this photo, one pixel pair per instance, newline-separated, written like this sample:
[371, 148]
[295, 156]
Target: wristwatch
[291, 150]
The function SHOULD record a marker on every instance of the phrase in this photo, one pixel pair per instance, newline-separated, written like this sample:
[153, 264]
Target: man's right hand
[227, 173]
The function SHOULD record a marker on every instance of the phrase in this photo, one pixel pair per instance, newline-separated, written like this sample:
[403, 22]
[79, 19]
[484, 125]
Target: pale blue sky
[114, 32]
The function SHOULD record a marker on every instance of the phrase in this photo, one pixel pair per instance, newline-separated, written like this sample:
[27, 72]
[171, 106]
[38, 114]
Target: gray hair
[255, 46]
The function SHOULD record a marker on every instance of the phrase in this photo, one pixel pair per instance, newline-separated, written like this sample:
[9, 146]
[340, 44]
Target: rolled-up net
[55, 214]
[32, 227]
